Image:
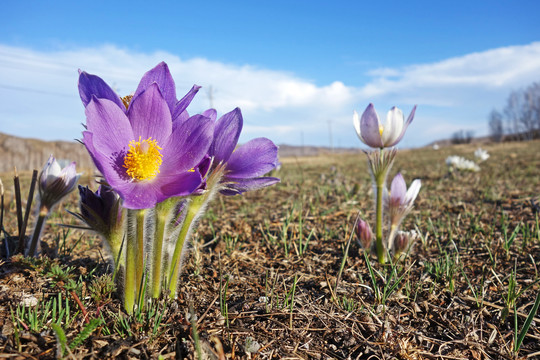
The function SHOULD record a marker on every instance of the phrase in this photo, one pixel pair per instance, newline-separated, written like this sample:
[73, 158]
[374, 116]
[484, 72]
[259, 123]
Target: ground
[270, 274]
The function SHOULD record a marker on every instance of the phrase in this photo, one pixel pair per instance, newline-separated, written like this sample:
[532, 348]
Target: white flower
[481, 154]
[460, 163]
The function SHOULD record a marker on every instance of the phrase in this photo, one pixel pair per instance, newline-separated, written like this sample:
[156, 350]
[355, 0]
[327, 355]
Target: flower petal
[182, 184]
[226, 135]
[162, 77]
[393, 126]
[92, 85]
[137, 195]
[253, 159]
[211, 114]
[109, 125]
[413, 191]
[370, 128]
[183, 103]
[405, 126]
[398, 188]
[242, 185]
[149, 116]
[187, 145]
[356, 123]
[109, 164]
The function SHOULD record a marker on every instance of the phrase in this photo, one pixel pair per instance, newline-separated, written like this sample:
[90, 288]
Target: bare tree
[496, 126]
[462, 137]
[522, 112]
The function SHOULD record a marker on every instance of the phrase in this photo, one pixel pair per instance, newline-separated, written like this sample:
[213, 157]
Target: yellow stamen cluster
[126, 100]
[143, 159]
[381, 129]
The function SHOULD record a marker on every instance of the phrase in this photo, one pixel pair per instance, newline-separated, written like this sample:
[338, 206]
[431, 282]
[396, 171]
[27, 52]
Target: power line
[37, 91]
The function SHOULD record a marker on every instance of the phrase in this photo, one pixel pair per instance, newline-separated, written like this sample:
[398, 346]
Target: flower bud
[364, 233]
[55, 182]
[403, 240]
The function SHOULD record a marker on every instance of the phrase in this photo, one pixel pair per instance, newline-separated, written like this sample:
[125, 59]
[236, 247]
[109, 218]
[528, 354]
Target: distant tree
[521, 114]
[496, 126]
[462, 137]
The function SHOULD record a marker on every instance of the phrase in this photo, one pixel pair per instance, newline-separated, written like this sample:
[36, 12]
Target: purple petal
[398, 188]
[92, 85]
[150, 116]
[109, 164]
[369, 127]
[138, 195]
[182, 184]
[226, 135]
[243, 185]
[109, 126]
[211, 114]
[162, 77]
[204, 165]
[183, 103]
[88, 142]
[187, 145]
[253, 159]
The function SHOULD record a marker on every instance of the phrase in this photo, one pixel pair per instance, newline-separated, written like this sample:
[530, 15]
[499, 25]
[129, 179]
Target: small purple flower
[400, 200]
[55, 182]
[244, 166]
[364, 233]
[372, 133]
[142, 156]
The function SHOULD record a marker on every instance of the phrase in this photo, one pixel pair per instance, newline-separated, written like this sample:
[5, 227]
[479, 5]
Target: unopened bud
[364, 234]
[403, 239]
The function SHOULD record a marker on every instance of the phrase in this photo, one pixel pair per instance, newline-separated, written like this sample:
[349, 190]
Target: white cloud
[39, 98]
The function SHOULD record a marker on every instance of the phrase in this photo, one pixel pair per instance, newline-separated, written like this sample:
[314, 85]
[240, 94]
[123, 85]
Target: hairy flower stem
[43, 213]
[192, 210]
[381, 253]
[157, 251]
[162, 212]
[130, 285]
[140, 251]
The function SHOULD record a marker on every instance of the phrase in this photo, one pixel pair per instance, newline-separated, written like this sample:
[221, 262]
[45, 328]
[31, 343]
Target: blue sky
[293, 67]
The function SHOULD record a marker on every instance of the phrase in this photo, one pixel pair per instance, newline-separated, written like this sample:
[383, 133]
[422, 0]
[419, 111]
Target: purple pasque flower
[400, 200]
[243, 167]
[139, 153]
[372, 133]
[55, 182]
[92, 85]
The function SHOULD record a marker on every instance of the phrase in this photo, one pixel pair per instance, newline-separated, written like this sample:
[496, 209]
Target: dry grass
[255, 286]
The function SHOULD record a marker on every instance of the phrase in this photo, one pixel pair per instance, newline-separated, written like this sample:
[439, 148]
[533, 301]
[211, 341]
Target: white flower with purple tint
[400, 200]
[55, 182]
[376, 135]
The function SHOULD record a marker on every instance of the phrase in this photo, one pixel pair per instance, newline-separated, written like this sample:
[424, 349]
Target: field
[271, 275]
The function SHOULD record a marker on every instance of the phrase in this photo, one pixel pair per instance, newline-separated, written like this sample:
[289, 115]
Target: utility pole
[210, 94]
[330, 135]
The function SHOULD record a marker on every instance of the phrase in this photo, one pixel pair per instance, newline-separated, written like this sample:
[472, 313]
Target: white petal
[413, 191]
[394, 125]
[356, 122]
